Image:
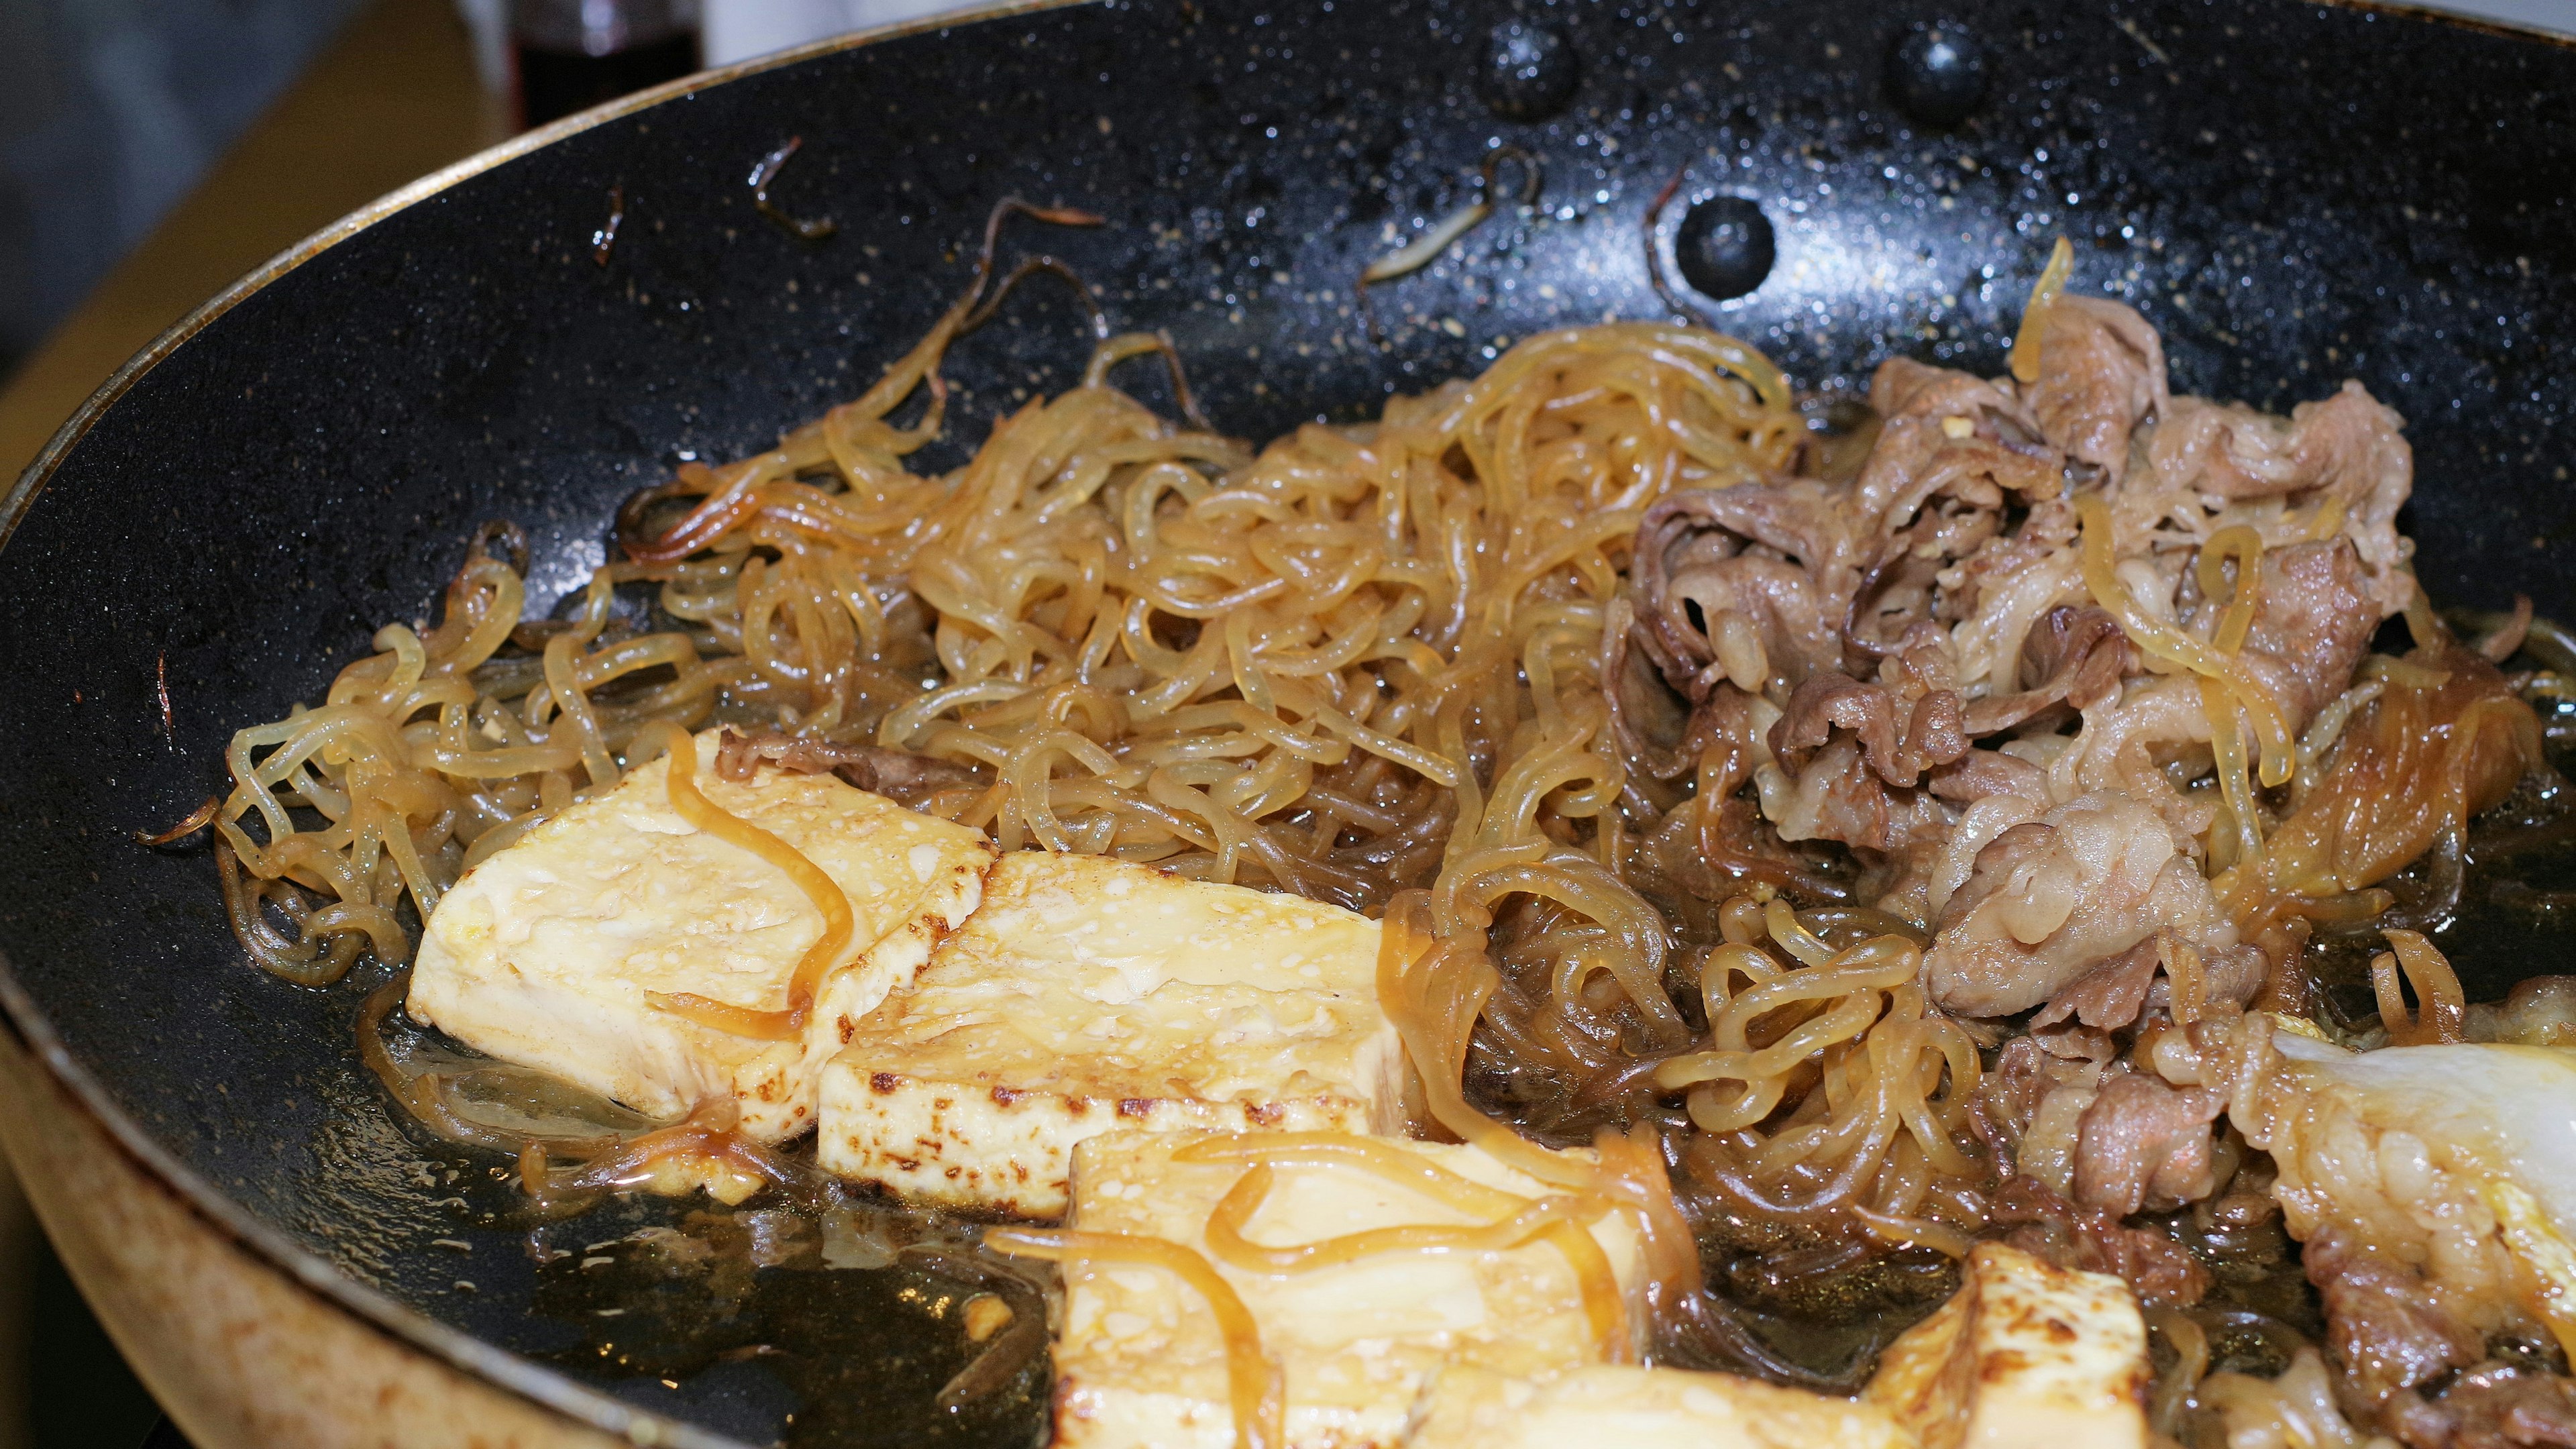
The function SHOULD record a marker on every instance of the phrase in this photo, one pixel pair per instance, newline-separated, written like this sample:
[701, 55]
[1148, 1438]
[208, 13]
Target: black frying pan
[2292, 193]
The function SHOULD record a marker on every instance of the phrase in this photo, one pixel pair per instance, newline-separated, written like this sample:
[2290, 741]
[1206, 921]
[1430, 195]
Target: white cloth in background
[740, 29]
[2558, 16]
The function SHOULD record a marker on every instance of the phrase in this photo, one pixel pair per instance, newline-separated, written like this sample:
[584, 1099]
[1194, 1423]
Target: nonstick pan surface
[2293, 194]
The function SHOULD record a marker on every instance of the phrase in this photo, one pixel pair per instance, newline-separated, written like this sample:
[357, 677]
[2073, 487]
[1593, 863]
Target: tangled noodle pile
[1409, 667]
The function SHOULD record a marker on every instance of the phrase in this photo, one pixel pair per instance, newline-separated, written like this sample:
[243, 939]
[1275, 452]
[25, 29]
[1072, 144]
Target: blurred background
[152, 151]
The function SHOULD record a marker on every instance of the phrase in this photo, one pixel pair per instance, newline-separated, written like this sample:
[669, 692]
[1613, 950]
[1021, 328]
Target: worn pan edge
[19, 1013]
[2566, 37]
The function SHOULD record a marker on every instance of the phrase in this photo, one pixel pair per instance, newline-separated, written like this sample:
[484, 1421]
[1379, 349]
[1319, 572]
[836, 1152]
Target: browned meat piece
[1784, 555]
[1796, 623]
[2005, 1098]
[2117, 992]
[1731, 720]
[2493, 1406]
[2082, 646]
[2049, 900]
[899, 775]
[2162, 1272]
[1836, 796]
[1899, 738]
[1920, 459]
[2110, 995]
[2155, 719]
[2387, 1333]
[1855, 754]
[2345, 447]
[1904, 587]
[1980, 773]
[2312, 623]
[2339, 442]
[1948, 432]
[2102, 372]
[1792, 576]
[2073, 655]
[2004, 589]
[2142, 1141]
[1904, 388]
[1633, 698]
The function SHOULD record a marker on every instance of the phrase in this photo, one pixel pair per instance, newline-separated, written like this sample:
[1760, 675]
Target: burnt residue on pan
[2291, 193]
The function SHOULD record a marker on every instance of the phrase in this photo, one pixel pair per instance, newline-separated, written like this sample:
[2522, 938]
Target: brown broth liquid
[853, 1310]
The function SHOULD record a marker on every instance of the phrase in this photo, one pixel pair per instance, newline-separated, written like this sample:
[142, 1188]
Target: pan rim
[543, 1387]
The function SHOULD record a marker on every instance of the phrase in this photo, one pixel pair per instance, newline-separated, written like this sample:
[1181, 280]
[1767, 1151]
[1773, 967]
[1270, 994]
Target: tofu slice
[1088, 994]
[542, 954]
[1613, 1406]
[1141, 1361]
[2023, 1356]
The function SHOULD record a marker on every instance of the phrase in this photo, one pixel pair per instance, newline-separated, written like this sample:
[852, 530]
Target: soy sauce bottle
[574, 54]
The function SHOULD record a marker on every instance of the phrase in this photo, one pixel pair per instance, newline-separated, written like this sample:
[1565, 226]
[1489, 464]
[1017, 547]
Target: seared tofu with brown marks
[1089, 994]
[1141, 1361]
[2023, 1356]
[544, 954]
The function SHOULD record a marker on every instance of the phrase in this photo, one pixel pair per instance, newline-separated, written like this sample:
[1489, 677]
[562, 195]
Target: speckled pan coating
[2292, 192]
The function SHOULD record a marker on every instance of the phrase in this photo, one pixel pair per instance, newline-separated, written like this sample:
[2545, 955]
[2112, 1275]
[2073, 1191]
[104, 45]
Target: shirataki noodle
[1390, 666]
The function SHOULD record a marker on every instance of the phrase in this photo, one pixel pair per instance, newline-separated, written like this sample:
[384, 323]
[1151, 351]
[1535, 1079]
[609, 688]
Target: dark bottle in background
[574, 54]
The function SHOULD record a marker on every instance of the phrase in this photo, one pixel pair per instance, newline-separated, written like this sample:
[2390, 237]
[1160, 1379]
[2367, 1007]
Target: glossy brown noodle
[1362, 660]
[1371, 664]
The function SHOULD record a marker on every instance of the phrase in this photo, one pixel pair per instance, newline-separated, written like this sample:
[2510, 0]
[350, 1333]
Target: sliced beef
[1904, 388]
[1904, 586]
[2005, 1098]
[2312, 622]
[2144, 1141]
[1836, 796]
[2346, 447]
[1919, 460]
[1899, 737]
[900, 775]
[1786, 555]
[2496, 1405]
[2115, 993]
[2110, 995]
[2102, 373]
[2163, 1272]
[2051, 899]
[1633, 698]
[1980, 774]
[2003, 590]
[2386, 1331]
[2074, 655]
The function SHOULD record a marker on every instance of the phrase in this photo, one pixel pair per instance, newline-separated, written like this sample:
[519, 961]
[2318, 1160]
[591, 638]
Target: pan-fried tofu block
[542, 954]
[1142, 1362]
[1090, 994]
[1612, 1406]
[2023, 1356]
